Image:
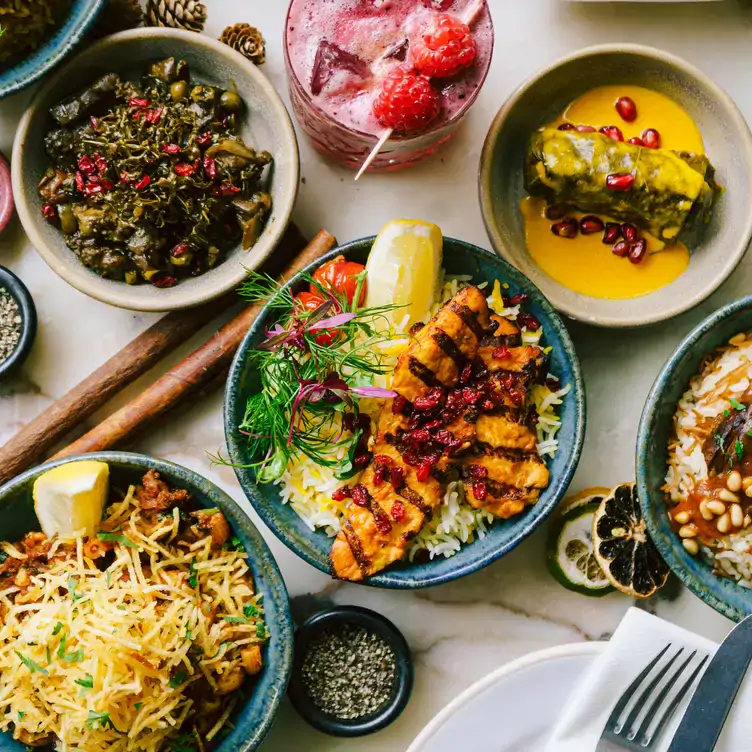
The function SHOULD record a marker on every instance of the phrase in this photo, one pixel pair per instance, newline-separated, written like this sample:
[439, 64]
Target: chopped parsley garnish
[736, 404]
[189, 634]
[236, 619]
[138, 705]
[726, 413]
[72, 585]
[180, 678]
[261, 632]
[87, 682]
[33, 666]
[193, 579]
[237, 544]
[117, 538]
[58, 628]
[99, 719]
[739, 450]
[21, 714]
[61, 646]
[74, 657]
[250, 610]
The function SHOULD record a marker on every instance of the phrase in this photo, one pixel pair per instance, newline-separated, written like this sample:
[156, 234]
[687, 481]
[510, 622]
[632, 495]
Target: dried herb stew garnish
[150, 182]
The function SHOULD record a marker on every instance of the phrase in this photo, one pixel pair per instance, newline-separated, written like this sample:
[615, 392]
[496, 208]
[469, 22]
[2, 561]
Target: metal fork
[648, 705]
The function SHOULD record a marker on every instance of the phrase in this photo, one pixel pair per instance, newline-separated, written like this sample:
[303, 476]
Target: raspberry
[444, 48]
[407, 101]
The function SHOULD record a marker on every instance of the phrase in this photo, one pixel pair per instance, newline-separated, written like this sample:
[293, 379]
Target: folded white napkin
[635, 643]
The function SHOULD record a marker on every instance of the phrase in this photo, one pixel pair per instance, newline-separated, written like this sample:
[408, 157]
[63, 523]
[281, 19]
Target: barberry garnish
[444, 47]
[407, 101]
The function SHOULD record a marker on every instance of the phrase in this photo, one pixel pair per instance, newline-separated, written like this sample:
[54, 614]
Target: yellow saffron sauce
[585, 264]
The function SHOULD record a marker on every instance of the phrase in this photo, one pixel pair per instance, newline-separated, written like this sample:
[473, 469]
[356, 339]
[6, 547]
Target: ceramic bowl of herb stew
[503, 535]
[353, 672]
[255, 712]
[154, 187]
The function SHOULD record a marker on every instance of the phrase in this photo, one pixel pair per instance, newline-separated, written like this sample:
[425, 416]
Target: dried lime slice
[571, 558]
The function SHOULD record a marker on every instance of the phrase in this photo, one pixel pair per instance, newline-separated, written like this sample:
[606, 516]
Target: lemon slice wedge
[404, 269]
[69, 499]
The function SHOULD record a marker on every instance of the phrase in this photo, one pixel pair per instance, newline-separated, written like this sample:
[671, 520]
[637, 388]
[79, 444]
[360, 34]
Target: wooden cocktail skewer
[471, 13]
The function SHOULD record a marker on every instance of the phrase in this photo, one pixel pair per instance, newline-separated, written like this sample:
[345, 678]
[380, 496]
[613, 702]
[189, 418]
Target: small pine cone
[177, 14]
[247, 40]
[118, 15]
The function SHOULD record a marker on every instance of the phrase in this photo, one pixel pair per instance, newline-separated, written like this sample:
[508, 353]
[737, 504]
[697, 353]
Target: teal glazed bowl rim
[54, 49]
[502, 537]
[656, 425]
[254, 719]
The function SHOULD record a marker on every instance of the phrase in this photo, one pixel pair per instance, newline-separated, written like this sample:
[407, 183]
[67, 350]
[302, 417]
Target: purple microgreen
[374, 391]
[333, 322]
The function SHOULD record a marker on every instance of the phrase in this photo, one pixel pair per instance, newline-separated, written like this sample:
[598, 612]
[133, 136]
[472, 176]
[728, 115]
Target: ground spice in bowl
[11, 324]
[18, 322]
[349, 672]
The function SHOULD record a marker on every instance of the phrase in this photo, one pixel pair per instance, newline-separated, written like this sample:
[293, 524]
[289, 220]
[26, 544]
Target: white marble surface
[461, 631]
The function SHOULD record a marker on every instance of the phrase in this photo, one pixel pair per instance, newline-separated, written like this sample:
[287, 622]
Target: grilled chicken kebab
[461, 414]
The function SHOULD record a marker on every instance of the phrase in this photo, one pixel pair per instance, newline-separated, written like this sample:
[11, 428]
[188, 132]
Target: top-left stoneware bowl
[265, 125]
[60, 43]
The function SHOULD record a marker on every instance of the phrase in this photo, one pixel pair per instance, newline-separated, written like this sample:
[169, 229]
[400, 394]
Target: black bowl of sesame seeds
[353, 672]
[18, 321]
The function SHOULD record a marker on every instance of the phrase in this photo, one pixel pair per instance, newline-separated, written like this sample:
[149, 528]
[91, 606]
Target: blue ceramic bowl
[459, 258]
[55, 48]
[253, 719]
[655, 429]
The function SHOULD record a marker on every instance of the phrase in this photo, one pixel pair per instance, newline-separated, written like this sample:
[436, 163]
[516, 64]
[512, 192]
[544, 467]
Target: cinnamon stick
[189, 375]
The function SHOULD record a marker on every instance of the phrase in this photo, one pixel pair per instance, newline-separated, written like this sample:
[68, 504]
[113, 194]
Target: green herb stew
[150, 182]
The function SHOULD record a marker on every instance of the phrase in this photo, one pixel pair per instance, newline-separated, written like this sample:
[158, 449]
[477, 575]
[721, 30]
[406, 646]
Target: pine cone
[178, 14]
[247, 40]
[118, 15]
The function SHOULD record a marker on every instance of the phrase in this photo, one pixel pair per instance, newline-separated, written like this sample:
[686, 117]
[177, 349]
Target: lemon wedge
[69, 499]
[404, 269]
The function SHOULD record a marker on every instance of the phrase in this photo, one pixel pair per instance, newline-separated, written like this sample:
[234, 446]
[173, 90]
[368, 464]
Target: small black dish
[22, 296]
[403, 683]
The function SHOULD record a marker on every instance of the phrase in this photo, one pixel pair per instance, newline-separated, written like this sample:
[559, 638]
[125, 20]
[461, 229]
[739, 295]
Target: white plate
[514, 708]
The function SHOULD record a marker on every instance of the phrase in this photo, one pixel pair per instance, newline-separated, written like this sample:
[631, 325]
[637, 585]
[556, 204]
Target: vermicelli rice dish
[138, 639]
[709, 478]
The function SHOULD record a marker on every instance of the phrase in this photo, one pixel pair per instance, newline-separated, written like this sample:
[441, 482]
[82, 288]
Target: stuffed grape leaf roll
[667, 190]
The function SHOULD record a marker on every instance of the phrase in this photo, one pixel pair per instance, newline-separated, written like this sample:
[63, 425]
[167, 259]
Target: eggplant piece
[60, 145]
[669, 190]
[52, 187]
[251, 215]
[729, 441]
[170, 70]
[98, 96]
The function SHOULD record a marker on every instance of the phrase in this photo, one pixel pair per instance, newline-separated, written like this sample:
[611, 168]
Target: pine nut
[747, 482]
[734, 481]
[726, 495]
[737, 339]
[737, 516]
[690, 546]
[682, 517]
[687, 531]
[716, 507]
[748, 493]
[705, 513]
[723, 524]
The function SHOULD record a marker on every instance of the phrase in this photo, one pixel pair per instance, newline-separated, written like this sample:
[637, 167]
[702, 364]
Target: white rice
[724, 377]
[308, 487]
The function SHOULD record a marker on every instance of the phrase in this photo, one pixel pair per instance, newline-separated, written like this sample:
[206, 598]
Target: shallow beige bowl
[265, 125]
[728, 144]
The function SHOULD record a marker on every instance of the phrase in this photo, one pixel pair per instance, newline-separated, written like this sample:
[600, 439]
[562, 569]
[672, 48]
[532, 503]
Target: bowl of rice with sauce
[164, 626]
[302, 507]
[694, 460]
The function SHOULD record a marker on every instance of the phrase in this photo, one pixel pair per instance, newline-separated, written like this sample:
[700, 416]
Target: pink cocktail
[339, 53]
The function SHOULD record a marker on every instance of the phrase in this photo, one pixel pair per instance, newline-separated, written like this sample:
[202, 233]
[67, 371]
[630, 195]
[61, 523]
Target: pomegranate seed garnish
[204, 139]
[626, 108]
[480, 490]
[94, 122]
[340, 494]
[423, 472]
[620, 182]
[359, 495]
[591, 224]
[226, 189]
[611, 233]
[398, 405]
[478, 471]
[467, 372]
[411, 458]
[516, 396]
[379, 475]
[487, 405]
[86, 165]
[171, 149]
[398, 511]
[612, 132]
[407, 101]
[444, 48]
[383, 459]
[418, 436]
[138, 102]
[501, 353]
[586, 129]
[621, 249]
[636, 141]
[48, 211]
[470, 396]
[556, 211]
[432, 424]
[638, 250]
[397, 476]
[92, 189]
[444, 437]
[143, 183]
[382, 523]
[101, 163]
[154, 116]
[652, 138]
[106, 184]
[180, 249]
[566, 127]
[184, 170]
[567, 228]
[629, 232]
[362, 460]
[210, 168]
[425, 403]
[80, 181]
[518, 299]
[528, 321]
[163, 282]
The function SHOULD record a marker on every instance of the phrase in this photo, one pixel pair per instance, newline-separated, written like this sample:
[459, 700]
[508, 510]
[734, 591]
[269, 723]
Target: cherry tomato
[339, 276]
[310, 301]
